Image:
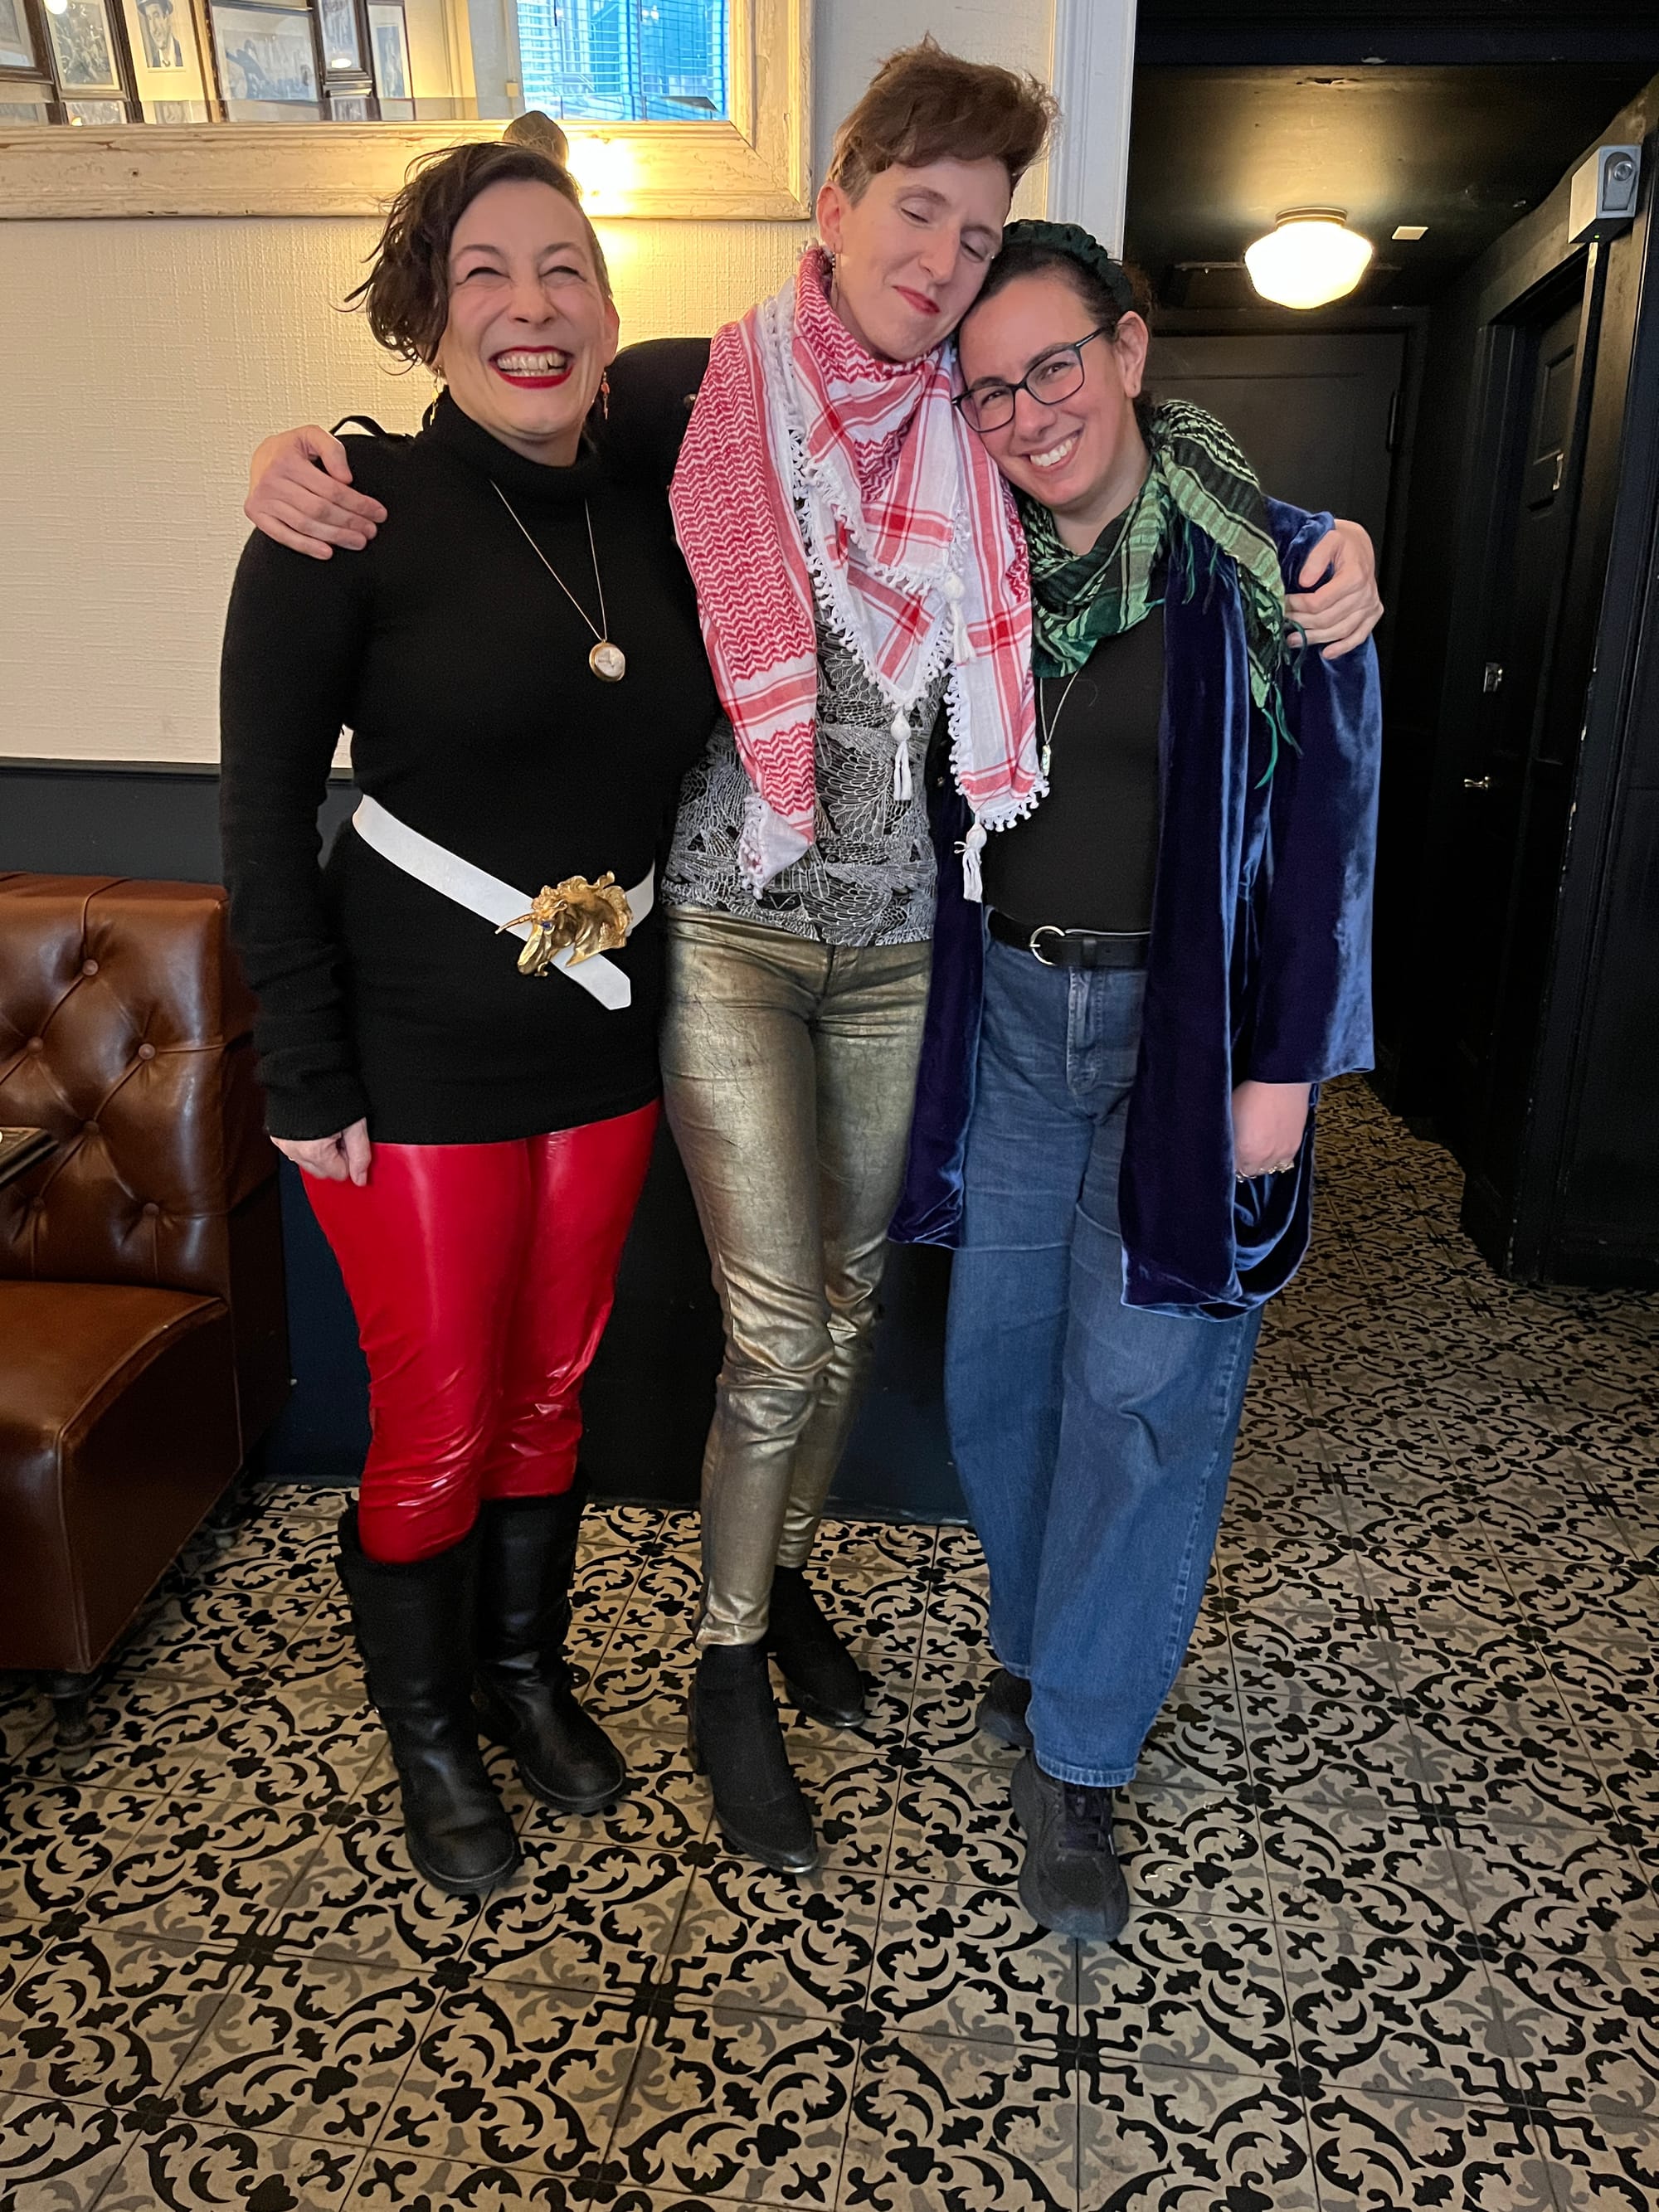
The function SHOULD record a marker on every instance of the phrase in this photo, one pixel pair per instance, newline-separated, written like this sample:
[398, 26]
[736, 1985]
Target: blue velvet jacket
[1258, 963]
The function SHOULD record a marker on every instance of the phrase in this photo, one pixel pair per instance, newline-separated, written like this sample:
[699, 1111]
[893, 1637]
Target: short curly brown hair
[405, 293]
[926, 105]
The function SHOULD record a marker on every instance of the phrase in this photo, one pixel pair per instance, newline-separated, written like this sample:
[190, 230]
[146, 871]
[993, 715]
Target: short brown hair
[405, 293]
[924, 105]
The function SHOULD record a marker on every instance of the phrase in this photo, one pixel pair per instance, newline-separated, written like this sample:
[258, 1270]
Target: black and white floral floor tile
[736, 2105]
[185, 2163]
[1394, 1847]
[57, 2156]
[1417, 2150]
[936, 2122]
[1186, 2140]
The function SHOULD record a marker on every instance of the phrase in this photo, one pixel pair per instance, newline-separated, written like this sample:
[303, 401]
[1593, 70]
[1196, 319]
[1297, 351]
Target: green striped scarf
[1199, 480]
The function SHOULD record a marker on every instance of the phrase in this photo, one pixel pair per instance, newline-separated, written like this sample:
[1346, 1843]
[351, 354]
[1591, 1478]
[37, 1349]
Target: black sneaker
[1071, 1881]
[1002, 1710]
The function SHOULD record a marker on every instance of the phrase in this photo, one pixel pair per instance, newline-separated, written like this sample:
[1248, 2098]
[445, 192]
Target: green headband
[1076, 243]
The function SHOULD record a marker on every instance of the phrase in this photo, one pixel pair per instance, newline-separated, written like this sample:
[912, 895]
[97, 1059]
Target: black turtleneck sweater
[461, 670]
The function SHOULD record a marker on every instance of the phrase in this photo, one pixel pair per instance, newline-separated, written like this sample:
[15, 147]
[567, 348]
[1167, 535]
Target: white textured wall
[853, 35]
[141, 361]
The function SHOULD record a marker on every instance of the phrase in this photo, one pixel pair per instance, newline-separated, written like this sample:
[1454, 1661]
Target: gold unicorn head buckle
[588, 918]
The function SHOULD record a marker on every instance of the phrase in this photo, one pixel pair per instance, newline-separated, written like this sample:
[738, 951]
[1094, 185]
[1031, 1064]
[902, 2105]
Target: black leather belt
[1071, 948]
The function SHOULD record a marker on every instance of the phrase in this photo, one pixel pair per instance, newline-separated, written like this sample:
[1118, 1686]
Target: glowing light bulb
[1309, 256]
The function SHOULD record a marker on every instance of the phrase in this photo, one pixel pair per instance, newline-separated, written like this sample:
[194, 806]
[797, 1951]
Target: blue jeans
[1094, 1440]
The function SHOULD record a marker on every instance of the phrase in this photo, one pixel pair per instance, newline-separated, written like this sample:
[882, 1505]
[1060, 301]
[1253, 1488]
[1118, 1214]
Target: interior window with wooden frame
[683, 109]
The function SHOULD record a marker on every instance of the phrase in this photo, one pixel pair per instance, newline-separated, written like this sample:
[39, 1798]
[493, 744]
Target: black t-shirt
[461, 669]
[1086, 857]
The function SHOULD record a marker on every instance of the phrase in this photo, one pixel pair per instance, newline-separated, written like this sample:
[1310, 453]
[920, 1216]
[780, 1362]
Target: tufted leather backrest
[126, 1030]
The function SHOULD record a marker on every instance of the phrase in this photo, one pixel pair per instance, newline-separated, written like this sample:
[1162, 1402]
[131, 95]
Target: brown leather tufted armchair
[143, 1346]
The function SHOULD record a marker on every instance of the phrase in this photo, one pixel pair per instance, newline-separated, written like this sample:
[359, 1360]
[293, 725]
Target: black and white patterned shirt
[868, 876]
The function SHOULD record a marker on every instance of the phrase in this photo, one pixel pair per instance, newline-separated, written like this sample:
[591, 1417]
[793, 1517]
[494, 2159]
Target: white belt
[491, 899]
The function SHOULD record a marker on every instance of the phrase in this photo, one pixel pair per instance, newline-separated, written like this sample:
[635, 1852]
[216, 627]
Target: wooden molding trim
[755, 168]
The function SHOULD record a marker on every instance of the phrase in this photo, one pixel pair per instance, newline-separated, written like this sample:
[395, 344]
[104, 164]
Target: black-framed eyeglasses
[1057, 376]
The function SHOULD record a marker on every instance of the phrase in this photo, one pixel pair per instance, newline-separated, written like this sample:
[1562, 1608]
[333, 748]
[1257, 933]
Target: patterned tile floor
[1394, 1848]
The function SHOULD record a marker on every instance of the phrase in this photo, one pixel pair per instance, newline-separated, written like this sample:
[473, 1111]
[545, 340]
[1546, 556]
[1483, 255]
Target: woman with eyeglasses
[1178, 956]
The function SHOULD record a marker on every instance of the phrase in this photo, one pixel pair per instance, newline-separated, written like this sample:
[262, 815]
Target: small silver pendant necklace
[608, 662]
[1047, 728]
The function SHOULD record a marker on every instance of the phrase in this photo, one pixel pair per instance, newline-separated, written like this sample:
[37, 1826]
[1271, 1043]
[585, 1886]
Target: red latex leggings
[482, 1278]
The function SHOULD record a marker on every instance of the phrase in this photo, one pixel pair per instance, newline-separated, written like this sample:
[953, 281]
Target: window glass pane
[624, 61]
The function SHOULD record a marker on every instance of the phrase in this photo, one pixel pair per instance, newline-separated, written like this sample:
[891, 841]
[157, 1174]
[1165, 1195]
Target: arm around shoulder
[300, 494]
[653, 387]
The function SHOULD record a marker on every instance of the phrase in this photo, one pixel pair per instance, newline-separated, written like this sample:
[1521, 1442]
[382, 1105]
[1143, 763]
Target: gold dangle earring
[604, 395]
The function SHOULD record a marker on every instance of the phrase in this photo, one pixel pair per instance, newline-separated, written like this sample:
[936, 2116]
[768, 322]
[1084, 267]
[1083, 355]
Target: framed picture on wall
[167, 60]
[342, 42]
[17, 47]
[83, 42]
[393, 79]
[267, 63]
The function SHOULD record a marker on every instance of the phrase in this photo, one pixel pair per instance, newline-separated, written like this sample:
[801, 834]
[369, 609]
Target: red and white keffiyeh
[808, 461]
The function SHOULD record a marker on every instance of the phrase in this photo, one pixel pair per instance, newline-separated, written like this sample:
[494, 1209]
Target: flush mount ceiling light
[1309, 256]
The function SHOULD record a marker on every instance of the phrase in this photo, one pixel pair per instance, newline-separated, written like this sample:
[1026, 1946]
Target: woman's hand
[1344, 610]
[298, 493]
[1269, 1123]
[343, 1159]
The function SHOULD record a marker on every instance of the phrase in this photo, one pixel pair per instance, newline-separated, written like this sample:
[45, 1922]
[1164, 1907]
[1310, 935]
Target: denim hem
[1093, 1778]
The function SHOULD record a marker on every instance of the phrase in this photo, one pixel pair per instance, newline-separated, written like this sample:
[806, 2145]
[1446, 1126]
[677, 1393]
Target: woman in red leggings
[457, 1013]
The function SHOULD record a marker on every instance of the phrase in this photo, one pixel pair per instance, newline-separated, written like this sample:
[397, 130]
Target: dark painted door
[1502, 890]
[1313, 413]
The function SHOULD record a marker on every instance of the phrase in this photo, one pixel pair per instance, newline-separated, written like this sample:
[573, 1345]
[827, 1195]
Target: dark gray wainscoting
[652, 1388]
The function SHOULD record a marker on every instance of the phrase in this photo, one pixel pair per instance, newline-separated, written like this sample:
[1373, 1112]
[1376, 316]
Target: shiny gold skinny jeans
[789, 1070]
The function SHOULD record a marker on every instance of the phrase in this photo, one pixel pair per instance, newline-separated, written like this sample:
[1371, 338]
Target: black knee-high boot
[412, 1624]
[526, 1557]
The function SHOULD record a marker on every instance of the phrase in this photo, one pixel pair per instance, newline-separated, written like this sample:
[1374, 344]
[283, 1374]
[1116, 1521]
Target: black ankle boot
[527, 1556]
[735, 1739]
[1071, 1881]
[411, 1624]
[1002, 1710]
[818, 1670]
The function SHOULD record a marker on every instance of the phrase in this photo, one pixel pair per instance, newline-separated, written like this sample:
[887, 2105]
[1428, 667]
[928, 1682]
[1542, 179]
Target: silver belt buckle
[1046, 929]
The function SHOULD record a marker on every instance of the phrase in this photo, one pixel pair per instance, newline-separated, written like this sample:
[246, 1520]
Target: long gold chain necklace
[608, 661]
